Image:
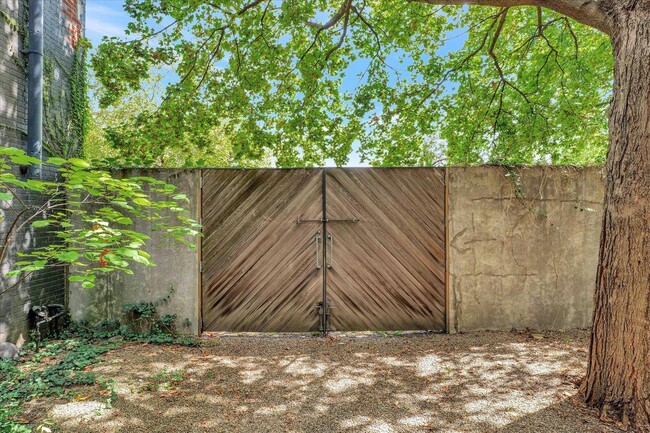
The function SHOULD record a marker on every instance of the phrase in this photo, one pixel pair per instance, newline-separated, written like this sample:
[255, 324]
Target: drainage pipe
[35, 87]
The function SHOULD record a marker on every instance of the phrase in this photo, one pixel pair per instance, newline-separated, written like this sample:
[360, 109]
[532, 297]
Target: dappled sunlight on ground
[506, 382]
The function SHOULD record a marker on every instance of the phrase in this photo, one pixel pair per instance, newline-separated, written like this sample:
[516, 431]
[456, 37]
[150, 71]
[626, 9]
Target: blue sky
[107, 18]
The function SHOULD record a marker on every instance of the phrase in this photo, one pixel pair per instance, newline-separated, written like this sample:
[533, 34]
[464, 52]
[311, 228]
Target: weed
[390, 333]
[165, 380]
[29, 379]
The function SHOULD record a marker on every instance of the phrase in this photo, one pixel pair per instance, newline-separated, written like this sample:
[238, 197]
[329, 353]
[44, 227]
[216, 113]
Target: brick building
[64, 85]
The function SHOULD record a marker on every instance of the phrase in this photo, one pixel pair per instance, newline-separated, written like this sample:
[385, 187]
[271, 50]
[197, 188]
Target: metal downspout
[35, 87]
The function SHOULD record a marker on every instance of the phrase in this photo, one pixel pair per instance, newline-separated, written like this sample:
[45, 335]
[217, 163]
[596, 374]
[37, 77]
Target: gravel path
[480, 382]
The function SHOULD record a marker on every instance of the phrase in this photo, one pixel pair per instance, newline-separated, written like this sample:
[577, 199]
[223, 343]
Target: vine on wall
[66, 113]
[66, 110]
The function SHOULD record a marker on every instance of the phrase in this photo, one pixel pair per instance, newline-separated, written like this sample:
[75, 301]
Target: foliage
[66, 112]
[309, 80]
[142, 323]
[130, 132]
[164, 380]
[92, 213]
[67, 367]
[33, 380]
[145, 323]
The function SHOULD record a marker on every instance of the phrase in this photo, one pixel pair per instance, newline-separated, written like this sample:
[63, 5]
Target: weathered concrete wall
[523, 246]
[63, 25]
[177, 267]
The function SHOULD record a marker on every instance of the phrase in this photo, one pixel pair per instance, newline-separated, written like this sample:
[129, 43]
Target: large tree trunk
[618, 376]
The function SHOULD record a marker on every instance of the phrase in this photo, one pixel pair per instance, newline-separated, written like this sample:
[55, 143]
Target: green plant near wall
[67, 113]
[92, 213]
[65, 372]
[80, 108]
[29, 379]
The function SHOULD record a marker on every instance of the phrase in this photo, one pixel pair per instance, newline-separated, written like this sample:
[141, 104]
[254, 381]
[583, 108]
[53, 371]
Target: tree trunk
[618, 375]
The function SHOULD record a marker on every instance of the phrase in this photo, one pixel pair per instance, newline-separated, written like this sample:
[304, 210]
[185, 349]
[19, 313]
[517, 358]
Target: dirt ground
[479, 382]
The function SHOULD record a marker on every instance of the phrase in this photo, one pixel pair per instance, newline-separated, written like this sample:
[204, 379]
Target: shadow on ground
[483, 382]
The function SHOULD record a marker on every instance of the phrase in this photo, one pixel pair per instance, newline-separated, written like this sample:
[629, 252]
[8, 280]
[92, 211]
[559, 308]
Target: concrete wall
[63, 22]
[523, 251]
[177, 267]
[523, 246]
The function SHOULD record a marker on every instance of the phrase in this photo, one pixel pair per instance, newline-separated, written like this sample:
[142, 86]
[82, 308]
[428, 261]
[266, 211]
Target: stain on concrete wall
[177, 268]
[523, 246]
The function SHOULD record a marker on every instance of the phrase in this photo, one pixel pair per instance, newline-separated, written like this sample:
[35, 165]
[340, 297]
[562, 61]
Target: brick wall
[62, 29]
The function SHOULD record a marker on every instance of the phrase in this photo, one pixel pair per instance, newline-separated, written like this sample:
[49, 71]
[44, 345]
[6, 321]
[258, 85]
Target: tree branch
[346, 22]
[343, 10]
[249, 6]
[370, 27]
[588, 12]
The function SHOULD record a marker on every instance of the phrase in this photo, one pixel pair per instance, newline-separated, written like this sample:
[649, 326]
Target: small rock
[8, 351]
[537, 336]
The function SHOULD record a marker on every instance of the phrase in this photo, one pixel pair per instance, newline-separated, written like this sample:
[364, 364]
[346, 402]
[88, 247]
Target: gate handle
[319, 262]
[330, 265]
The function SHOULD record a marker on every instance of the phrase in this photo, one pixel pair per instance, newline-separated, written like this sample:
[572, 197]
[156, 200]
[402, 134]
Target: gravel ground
[479, 382]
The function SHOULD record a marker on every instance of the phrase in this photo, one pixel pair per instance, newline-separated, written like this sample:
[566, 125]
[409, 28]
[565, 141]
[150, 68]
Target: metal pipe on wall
[35, 87]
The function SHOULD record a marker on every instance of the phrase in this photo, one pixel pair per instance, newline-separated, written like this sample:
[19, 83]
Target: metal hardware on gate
[299, 221]
[330, 237]
[328, 220]
[324, 318]
[319, 260]
[343, 220]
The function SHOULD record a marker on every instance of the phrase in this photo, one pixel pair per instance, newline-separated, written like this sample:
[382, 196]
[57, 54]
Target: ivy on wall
[66, 110]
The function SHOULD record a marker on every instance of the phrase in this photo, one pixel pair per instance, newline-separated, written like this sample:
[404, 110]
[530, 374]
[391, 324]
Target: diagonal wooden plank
[259, 265]
[389, 269]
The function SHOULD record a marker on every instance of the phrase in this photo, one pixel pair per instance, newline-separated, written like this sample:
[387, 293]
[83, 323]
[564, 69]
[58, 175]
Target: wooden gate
[323, 249]
[259, 266]
[386, 233]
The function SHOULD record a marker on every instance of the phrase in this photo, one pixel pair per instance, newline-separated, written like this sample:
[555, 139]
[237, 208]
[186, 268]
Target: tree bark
[618, 375]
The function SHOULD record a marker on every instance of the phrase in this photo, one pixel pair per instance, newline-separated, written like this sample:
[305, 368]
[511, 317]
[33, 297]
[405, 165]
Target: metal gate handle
[330, 265]
[319, 261]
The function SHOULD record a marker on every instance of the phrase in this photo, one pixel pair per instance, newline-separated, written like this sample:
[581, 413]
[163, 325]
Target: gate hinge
[201, 266]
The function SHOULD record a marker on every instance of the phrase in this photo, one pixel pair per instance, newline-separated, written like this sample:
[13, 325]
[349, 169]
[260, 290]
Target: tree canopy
[124, 134]
[403, 83]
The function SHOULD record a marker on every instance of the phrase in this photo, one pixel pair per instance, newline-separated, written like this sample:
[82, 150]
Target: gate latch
[324, 316]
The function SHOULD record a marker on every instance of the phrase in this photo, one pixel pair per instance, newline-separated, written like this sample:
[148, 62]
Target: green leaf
[5, 196]
[41, 223]
[127, 252]
[35, 266]
[116, 260]
[124, 220]
[56, 161]
[140, 259]
[24, 160]
[88, 284]
[142, 201]
[67, 256]
[79, 163]
[74, 278]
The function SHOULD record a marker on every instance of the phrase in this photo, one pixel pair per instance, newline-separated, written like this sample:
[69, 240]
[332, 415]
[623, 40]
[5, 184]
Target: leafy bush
[92, 214]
